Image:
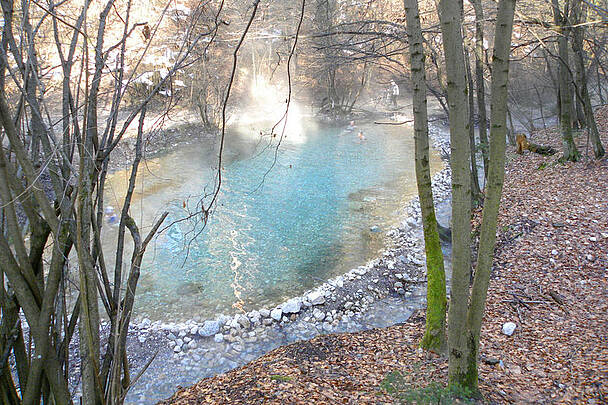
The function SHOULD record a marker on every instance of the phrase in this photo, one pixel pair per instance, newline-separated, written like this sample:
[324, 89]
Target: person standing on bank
[394, 92]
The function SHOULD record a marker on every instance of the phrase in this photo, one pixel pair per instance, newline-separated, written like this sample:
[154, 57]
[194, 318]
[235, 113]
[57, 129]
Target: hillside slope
[550, 278]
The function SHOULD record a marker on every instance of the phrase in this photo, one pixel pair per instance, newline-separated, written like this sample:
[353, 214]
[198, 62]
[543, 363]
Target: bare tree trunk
[434, 336]
[598, 78]
[582, 87]
[450, 17]
[480, 85]
[571, 153]
[554, 80]
[496, 172]
[475, 189]
[464, 319]
[510, 129]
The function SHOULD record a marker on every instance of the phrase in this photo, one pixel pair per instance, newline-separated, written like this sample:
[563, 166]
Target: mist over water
[279, 228]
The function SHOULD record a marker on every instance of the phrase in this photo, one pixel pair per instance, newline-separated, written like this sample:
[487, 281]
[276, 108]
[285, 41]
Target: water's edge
[383, 292]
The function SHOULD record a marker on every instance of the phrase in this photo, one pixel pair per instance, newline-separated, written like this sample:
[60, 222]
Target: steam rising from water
[266, 107]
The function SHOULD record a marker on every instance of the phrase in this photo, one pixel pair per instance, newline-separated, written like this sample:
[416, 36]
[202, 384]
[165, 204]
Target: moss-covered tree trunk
[434, 337]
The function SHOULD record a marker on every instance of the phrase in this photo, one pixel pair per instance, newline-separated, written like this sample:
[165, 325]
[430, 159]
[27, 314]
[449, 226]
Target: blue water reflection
[274, 236]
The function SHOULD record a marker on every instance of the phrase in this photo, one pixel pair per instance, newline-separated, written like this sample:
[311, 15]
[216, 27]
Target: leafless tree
[57, 148]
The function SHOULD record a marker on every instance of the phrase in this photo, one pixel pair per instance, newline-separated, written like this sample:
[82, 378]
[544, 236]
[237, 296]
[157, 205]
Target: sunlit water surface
[279, 228]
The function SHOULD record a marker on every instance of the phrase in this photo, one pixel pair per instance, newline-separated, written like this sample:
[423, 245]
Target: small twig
[559, 299]
[519, 301]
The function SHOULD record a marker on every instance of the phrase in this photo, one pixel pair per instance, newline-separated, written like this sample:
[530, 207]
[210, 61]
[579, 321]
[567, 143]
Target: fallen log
[541, 149]
[524, 144]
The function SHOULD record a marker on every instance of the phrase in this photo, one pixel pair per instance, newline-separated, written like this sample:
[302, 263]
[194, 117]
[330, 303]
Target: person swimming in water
[351, 127]
[361, 136]
[111, 216]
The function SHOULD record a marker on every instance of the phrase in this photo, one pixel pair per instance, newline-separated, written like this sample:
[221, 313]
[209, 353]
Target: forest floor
[550, 278]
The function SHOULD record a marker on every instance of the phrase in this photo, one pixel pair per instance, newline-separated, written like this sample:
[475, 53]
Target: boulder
[292, 306]
[209, 328]
[254, 316]
[276, 314]
[361, 271]
[243, 321]
[316, 297]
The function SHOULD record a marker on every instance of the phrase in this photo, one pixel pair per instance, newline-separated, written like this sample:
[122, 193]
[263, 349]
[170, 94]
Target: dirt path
[550, 278]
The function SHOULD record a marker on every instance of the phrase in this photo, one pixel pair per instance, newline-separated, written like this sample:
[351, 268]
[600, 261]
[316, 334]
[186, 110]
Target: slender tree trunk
[598, 78]
[540, 106]
[554, 80]
[582, 88]
[475, 189]
[579, 76]
[89, 318]
[480, 86]
[496, 172]
[434, 337]
[464, 319]
[580, 111]
[510, 128]
[571, 153]
[449, 14]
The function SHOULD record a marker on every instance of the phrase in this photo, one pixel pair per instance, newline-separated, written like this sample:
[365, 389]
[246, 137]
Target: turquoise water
[279, 229]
